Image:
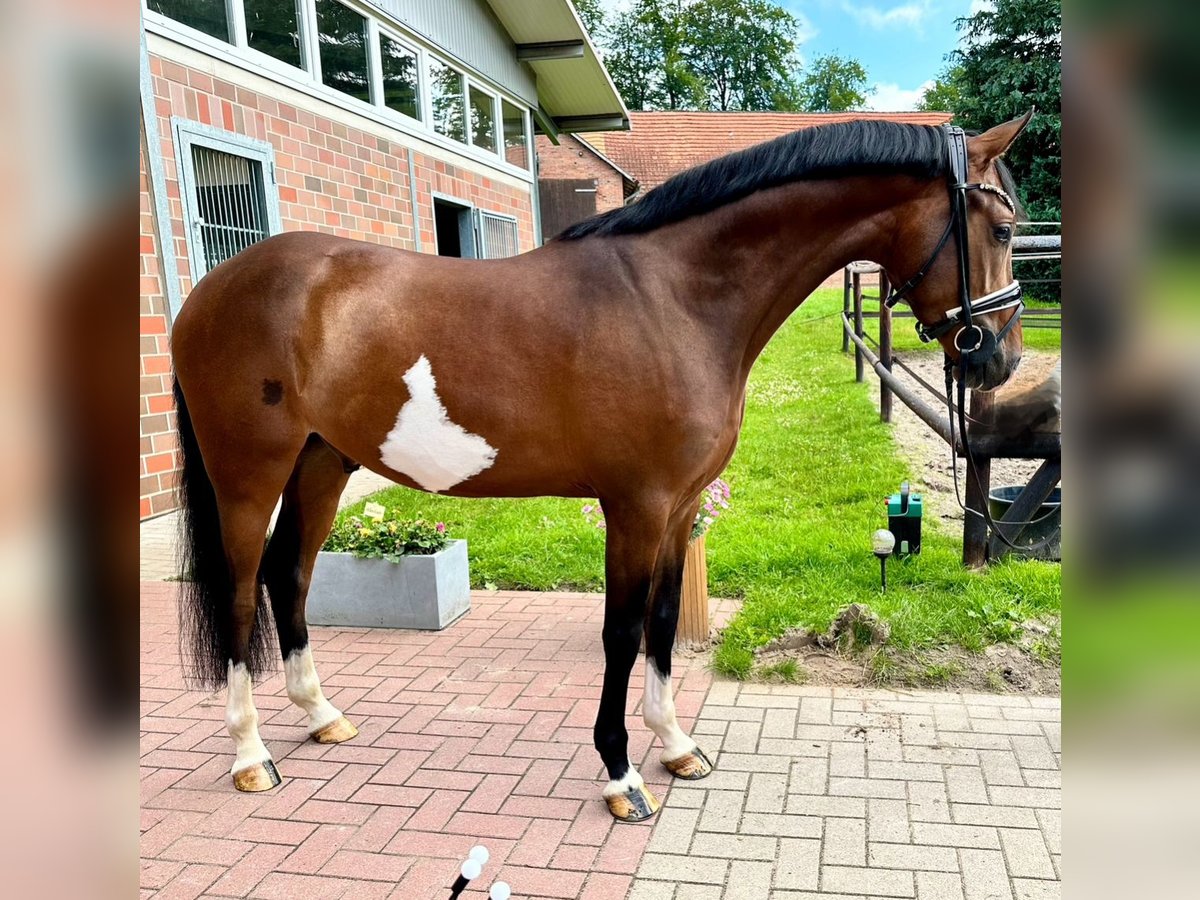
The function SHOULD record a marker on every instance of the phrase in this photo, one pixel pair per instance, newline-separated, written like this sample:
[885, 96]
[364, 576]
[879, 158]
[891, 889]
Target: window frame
[188, 134]
[308, 79]
[237, 10]
[497, 123]
[386, 31]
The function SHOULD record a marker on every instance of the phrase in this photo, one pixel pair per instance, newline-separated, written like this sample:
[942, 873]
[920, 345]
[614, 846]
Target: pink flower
[441, 527]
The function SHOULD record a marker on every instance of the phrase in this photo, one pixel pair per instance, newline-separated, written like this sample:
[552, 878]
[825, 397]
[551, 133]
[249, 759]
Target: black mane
[860, 147]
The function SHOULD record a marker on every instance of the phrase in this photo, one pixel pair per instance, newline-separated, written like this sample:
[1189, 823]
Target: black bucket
[1047, 522]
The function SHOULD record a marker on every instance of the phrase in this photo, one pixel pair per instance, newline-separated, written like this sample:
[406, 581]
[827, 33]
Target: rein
[962, 317]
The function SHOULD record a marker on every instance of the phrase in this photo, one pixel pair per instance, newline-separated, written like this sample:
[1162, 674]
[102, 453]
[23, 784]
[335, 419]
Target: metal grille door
[497, 235]
[230, 208]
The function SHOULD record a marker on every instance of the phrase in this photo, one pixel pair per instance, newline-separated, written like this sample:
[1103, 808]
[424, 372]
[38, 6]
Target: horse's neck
[759, 258]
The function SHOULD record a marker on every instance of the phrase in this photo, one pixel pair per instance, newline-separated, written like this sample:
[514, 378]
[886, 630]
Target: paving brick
[672, 867]
[872, 882]
[722, 811]
[1026, 854]
[799, 864]
[748, 880]
[1025, 889]
[1009, 816]
[939, 886]
[768, 792]
[984, 875]
[845, 842]
[780, 825]
[955, 835]
[914, 857]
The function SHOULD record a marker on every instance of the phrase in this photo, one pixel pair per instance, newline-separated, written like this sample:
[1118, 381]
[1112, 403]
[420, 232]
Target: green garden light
[882, 544]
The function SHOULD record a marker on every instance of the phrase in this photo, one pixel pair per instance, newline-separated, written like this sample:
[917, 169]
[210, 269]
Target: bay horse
[610, 362]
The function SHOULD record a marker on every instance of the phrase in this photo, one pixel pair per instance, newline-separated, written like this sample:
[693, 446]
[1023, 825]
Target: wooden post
[975, 532]
[693, 601]
[858, 324]
[845, 306]
[885, 348]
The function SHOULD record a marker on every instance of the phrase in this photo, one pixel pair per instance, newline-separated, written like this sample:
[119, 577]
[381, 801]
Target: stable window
[483, 119]
[342, 36]
[401, 81]
[447, 101]
[516, 139]
[209, 16]
[229, 194]
[273, 28]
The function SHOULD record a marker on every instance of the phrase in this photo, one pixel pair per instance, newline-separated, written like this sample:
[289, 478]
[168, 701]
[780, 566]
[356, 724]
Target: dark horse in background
[610, 363]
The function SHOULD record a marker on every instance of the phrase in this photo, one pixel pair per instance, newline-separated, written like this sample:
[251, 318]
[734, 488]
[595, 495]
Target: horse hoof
[635, 805]
[335, 732]
[259, 777]
[691, 766]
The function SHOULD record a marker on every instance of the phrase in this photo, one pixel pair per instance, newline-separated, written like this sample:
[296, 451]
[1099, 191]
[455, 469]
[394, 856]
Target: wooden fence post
[693, 601]
[975, 531]
[858, 324]
[845, 306]
[885, 348]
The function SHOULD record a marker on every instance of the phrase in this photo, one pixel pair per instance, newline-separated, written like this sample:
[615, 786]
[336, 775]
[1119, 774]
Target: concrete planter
[422, 592]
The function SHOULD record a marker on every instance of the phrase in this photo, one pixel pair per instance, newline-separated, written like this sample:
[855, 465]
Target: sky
[902, 43]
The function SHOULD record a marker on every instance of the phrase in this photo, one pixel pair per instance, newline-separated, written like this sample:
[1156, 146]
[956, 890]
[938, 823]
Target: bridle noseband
[962, 316]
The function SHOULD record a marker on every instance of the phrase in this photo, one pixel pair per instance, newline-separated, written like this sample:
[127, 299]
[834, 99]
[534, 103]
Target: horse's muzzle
[991, 365]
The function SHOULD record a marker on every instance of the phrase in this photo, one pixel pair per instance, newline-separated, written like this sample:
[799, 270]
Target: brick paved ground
[482, 733]
[842, 793]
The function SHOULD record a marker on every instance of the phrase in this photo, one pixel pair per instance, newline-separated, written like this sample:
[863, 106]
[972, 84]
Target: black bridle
[962, 316]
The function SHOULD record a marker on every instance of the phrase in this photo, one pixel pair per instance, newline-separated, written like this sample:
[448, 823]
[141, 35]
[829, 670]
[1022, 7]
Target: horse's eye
[1003, 233]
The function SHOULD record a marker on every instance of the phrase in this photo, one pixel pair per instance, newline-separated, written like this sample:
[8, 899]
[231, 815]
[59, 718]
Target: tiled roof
[660, 144]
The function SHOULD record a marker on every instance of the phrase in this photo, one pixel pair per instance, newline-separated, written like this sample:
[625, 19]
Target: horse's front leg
[682, 757]
[635, 533]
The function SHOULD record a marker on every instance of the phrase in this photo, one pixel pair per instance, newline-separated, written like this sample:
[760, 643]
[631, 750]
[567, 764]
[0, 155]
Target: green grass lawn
[809, 477]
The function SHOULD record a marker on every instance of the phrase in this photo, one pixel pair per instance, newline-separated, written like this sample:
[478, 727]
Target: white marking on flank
[304, 689]
[425, 445]
[658, 712]
[619, 786]
[241, 719]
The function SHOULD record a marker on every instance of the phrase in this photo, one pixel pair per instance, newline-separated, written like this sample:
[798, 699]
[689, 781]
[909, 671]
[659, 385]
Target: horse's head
[979, 205]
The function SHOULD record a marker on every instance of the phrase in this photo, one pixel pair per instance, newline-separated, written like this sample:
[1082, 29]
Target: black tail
[206, 600]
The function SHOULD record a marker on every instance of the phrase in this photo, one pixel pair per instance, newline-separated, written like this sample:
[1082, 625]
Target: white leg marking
[304, 689]
[619, 786]
[425, 445]
[241, 718]
[658, 712]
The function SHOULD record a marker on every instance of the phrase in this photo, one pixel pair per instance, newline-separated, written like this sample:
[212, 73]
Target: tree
[743, 52]
[1010, 61]
[591, 13]
[833, 84]
[943, 94]
[710, 54]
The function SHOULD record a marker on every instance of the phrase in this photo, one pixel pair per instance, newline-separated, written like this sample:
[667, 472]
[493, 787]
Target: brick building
[575, 181]
[401, 122]
[594, 172]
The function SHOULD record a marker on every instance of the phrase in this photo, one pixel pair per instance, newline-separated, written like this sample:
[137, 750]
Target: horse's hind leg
[635, 532]
[309, 506]
[681, 756]
[244, 524]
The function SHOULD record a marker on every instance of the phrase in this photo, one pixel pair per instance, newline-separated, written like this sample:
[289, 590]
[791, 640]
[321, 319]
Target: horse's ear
[993, 143]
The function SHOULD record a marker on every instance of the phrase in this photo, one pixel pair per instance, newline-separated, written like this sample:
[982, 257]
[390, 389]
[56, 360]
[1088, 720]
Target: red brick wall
[157, 442]
[332, 177]
[570, 159]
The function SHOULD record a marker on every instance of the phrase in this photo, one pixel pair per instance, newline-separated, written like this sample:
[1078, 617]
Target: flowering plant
[386, 538]
[714, 500]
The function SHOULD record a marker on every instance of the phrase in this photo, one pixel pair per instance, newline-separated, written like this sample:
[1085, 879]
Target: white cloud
[981, 5]
[888, 97]
[909, 15]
